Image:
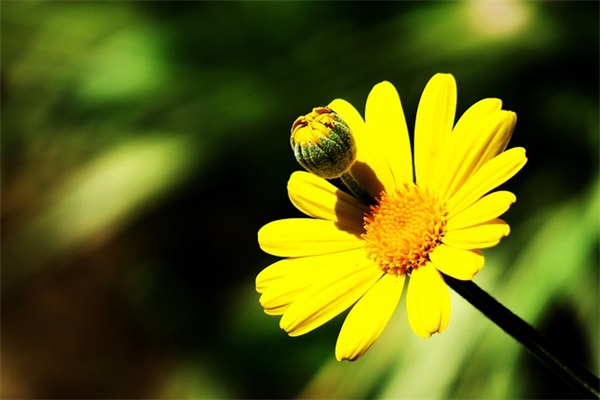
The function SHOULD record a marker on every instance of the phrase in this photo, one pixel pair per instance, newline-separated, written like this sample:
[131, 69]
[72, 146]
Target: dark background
[145, 143]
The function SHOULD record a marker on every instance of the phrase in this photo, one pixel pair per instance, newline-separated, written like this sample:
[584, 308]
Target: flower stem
[354, 187]
[575, 375]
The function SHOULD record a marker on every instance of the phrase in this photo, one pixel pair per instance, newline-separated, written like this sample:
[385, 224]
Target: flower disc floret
[403, 228]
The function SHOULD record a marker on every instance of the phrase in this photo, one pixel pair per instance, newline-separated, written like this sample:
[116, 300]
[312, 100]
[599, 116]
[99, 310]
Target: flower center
[403, 228]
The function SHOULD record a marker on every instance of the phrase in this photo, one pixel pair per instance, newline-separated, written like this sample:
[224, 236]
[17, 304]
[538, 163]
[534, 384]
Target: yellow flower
[423, 223]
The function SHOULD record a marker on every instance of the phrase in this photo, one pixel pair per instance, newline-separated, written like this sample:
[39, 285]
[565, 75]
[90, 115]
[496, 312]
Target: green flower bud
[323, 143]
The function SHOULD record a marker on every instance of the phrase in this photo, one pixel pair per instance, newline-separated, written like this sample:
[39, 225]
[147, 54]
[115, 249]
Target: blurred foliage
[145, 143]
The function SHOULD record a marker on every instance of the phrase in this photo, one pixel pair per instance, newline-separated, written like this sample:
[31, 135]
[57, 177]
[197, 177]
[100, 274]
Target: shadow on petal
[364, 176]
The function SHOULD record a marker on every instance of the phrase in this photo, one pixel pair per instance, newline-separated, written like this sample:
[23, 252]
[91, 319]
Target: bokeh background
[145, 143]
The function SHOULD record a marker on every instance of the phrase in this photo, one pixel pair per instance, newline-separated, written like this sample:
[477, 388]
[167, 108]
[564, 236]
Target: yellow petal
[474, 114]
[486, 208]
[433, 124]
[282, 282]
[368, 168]
[468, 149]
[427, 301]
[318, 198]
[479, 236]
[443, 176]
[458, 263]
[368, 318]
[330, 296]
[387, 126]
[300, 237]
[491, 175]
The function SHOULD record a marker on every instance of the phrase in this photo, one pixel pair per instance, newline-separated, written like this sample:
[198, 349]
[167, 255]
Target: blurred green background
[145, 143]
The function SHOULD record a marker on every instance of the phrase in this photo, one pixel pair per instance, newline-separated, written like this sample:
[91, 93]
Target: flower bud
[323, 143]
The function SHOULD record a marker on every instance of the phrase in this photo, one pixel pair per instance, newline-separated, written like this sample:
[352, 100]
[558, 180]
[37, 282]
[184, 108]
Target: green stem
[578, 377]
[355, 188]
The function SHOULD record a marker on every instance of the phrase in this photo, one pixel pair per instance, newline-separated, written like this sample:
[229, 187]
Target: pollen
[403, 228]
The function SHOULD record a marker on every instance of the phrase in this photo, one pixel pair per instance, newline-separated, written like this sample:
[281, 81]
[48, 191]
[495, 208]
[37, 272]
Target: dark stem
[354, 187]
[575, 375]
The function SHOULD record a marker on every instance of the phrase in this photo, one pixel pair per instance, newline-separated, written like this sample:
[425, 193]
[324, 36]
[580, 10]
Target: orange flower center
[403, 228]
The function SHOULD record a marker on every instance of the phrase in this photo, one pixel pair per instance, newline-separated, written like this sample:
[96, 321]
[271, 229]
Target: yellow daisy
[422, 224]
